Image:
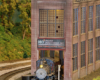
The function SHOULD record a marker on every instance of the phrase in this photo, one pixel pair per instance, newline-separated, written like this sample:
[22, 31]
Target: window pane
[98, 17]
[98, 48]
[51, 23]
[97, 57]
[99, 54]
[75, 21]
[43, 30]
[83, 26]
[90, 11]
[51, 16]
[59, 28]
[90, 18]
[83, 47]
[83, 54]
[90, 25]
[51, 30]
[97, 21]
[75, 52]
[60, 15]
[83, 17]
[90, 49]
[43, 16]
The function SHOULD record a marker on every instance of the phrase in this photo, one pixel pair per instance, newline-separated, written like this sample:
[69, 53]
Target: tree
[3, 12]
[7, 9]
[25, 9]
[11, 10]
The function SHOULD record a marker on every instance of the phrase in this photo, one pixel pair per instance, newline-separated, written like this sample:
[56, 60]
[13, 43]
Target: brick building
[75, 21]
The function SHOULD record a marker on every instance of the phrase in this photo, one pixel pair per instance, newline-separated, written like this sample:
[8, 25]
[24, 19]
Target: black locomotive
[46, 69]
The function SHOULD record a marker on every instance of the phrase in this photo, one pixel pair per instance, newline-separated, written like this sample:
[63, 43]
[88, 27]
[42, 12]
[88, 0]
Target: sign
[51, 43]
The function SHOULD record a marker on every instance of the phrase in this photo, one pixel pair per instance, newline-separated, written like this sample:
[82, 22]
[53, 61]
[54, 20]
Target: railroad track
[8, 71]
[8, 75]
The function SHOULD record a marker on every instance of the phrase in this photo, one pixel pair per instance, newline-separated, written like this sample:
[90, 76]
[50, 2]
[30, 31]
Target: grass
[93, 76]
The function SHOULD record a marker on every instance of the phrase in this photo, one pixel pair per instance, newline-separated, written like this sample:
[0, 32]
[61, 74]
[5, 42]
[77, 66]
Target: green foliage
[2, 28]
[16, 30]
[13, 47]
[15, 19]
[25, 55]
[98, 78]
[16, 13]
[7, 9]
[6, 37]
[25, 10]
[3, 12]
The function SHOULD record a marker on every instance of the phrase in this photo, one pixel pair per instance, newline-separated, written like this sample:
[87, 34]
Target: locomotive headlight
[41, 73]
[41, 66]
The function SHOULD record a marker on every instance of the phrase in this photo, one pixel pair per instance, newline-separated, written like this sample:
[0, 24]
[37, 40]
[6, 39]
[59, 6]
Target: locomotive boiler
[46, 69]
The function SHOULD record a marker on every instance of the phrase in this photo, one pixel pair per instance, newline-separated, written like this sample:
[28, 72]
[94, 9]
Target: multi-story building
[75, 21]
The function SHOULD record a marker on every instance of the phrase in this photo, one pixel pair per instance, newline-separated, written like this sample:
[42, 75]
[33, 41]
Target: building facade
[75, 21]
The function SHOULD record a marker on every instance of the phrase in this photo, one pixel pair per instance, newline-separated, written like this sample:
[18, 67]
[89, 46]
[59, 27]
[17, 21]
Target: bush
[16, 30]
[6, 37]
[25, 55]
[13, 47]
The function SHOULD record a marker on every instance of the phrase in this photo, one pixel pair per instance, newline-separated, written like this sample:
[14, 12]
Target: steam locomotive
[46, 69]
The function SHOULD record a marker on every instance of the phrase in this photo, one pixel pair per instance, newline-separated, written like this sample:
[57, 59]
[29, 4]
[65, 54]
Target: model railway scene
[54, 39]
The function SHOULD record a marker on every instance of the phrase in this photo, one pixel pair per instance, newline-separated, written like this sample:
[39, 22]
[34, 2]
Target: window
[98, 17]
[90, 51]
[83, 19]
[75, 52]
[51, 23]
[83, 54]
[75, 21]
[90, 28]
[98, 48]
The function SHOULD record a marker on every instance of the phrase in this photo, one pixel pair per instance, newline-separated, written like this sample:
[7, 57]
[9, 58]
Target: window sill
[90, 64]
[83, 67]
[90, 31]
[97, 29]
[75, 36]
[75, 71]
[83, 33]
[98, 61]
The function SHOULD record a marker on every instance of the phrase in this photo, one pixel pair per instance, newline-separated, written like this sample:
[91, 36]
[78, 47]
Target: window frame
[97, 17]
[83, 52]
[75, 21]
[83, 20]
[90, 28]
[75, 48]
[90, 51]
[97, 48]
[55, 25]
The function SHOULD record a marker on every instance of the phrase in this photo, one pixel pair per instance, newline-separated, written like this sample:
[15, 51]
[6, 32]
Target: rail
[9, 75]
[9, 71]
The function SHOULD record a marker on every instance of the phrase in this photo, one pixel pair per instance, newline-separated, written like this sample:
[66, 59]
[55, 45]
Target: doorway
[56, 55]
